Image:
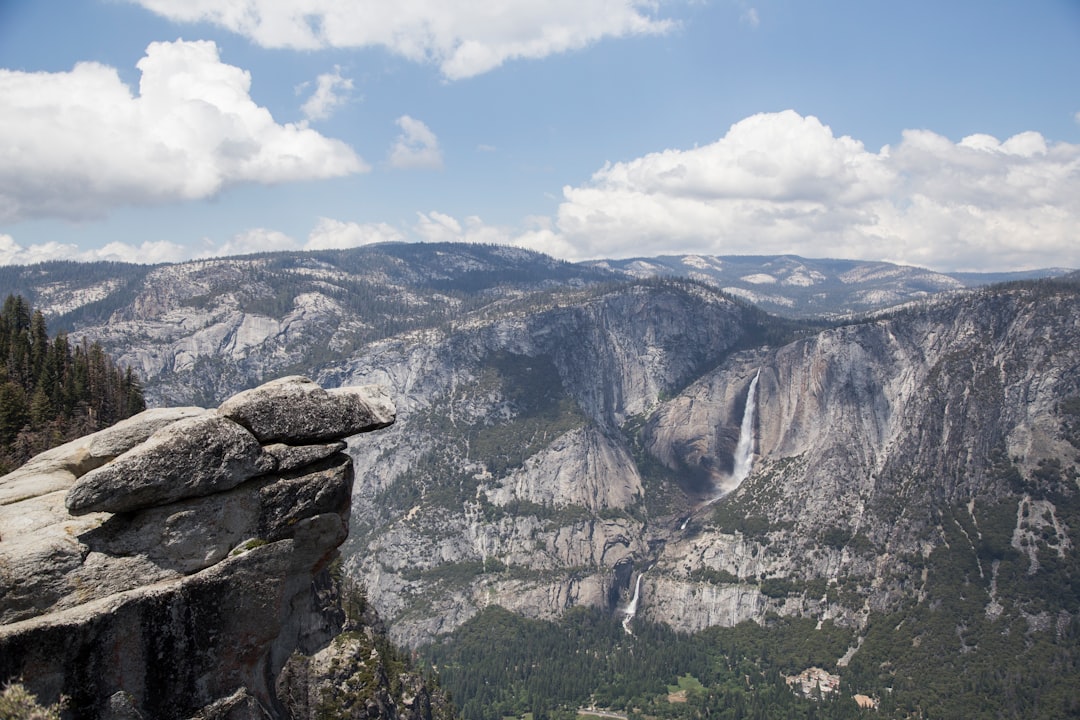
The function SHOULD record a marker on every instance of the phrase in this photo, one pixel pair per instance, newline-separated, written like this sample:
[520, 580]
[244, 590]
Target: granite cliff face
[508, 478]
[169, 566]
[556, 455]
[870, 438]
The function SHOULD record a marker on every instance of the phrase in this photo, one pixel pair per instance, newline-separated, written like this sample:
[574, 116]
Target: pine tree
[52, 391]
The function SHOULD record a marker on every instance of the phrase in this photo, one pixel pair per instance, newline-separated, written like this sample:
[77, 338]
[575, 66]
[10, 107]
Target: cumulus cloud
[784, 183]
[147, 253]
[327, 234]
[536, 234]
[463, 38]
[331, 92]
[330, 234]
[250, 241]
[77, 143]
[439, 227]
[416, 146]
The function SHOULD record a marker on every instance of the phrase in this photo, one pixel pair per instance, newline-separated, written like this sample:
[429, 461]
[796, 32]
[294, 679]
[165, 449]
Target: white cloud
[750, 17]
[253, 240]
[329, 234]
[437, 227]
[463, 38]
[148, 253]
[331, 91]
[416, 146]
[783, 183]
[537, 233]
[77, 143]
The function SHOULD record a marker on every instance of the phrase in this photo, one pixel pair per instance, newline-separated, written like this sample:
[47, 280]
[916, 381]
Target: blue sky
[938, 134]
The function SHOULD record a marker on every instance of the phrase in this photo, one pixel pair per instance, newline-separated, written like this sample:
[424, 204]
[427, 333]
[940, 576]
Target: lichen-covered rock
[296, 409]
[197, 456]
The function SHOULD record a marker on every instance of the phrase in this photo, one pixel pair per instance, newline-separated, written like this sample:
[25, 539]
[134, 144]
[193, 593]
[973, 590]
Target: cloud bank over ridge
[784, 183]
[774, 183]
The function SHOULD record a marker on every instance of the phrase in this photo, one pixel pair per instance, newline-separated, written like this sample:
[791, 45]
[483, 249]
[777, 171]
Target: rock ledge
[175, 560]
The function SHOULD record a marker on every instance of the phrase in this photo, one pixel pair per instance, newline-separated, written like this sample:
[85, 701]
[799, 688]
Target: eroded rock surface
[171, 564]
[295, 409]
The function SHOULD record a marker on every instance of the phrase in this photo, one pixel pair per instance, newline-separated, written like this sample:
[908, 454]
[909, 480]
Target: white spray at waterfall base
[631, 609]
[744, 450]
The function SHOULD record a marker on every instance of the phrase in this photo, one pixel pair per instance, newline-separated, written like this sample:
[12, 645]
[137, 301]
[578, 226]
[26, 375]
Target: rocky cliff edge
[168, 567]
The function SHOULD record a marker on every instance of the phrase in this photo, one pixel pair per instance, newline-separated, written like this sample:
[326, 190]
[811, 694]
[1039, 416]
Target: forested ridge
[53, 390]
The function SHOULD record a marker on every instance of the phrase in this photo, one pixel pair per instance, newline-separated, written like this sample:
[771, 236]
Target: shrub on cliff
[16, 703]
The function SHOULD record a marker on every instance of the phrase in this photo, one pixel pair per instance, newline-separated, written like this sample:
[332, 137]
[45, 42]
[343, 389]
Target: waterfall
[744, 451]
[631, 609]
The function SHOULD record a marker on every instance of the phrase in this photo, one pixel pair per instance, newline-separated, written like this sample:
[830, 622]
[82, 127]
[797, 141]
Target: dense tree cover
[500, 664]
[52, 390]
[993, 634]
[123, 279]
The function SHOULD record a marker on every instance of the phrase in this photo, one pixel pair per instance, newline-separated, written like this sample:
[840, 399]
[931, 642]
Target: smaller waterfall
[631, 609]
[744, 451]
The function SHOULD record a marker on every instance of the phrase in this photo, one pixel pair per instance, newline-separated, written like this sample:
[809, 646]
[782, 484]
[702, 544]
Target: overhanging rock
[170, 566]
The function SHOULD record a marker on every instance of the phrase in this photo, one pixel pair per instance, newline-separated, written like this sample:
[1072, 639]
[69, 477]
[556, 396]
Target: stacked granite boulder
[168, 566]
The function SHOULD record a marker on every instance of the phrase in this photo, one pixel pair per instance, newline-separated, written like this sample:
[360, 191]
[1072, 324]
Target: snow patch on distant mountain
[59, 298]
[640, 268]
[759, 279]
[758, 298]
[803, 278]
[702, 263]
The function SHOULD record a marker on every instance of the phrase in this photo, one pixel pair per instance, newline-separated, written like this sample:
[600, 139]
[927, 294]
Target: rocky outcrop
[169, 566]
[359, 675]
[581, 468]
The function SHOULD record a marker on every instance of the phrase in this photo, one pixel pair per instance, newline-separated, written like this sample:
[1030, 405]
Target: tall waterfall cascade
[632, 608]
[744, 450]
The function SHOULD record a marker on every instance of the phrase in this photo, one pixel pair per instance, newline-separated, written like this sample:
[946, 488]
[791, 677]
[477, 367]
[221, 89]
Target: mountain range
[888, 453]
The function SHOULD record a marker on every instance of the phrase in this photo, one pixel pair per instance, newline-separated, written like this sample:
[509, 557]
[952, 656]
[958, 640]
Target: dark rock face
[190, 591]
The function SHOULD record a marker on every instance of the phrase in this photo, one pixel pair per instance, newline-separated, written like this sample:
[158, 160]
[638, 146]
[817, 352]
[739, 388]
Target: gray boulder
[190, 458]
[297, 410]
[56, 469]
